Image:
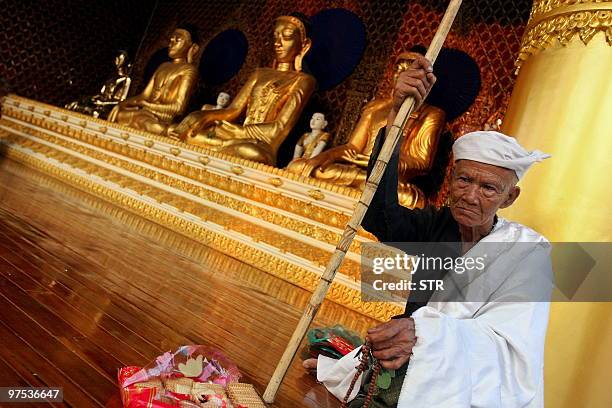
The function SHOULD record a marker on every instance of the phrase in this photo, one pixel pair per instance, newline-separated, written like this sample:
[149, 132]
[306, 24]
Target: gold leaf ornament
[192, 367]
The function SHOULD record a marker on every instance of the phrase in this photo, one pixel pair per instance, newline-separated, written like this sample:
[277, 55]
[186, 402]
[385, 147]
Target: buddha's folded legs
[182, 128]
[249, 149]
[342, 174]
[138, 119]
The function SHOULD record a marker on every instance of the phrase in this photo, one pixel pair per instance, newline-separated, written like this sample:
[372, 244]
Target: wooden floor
[86, 288]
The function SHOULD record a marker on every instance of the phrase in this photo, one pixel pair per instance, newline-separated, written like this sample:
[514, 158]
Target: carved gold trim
[316, 194]
[267, 197]
[275, 181]
[338, 293]
[346, 191]
[237, 170]
[562, 20]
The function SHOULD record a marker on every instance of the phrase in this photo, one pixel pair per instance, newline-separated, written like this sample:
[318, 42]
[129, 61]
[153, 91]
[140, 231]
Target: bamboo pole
[362, 206]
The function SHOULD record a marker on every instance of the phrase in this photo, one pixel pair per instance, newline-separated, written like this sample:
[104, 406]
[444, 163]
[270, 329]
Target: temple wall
[56, 51]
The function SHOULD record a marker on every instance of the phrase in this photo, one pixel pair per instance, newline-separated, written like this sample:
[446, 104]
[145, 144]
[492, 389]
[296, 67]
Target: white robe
[477, 354]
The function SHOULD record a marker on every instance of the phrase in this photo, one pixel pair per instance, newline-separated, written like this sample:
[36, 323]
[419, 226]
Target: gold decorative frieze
[249, 191]
[264, 214]
[561, 20]
[316, 194]
[237, 170]
[275, 181]
[345, 191]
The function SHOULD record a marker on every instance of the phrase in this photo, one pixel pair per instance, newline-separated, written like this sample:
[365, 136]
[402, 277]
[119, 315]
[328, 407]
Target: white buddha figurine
[223, 100]
[312, 143]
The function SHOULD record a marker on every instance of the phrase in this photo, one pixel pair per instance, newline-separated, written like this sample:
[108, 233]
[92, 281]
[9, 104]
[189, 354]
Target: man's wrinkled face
[179, 44]
[287, 41]
[318, 121]
[478, 190]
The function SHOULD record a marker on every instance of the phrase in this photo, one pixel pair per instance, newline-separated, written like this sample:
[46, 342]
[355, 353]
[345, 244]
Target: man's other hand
[416, 81]
[392, 342]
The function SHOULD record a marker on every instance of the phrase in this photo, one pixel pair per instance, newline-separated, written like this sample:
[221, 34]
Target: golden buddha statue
[113, 91]
[167, 93]
[312, 143]
[347, 164]
[271, 101]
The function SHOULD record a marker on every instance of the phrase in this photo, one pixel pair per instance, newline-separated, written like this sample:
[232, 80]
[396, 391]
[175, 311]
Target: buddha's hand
[229, 131]
[353, 156]
[392, 342]
[131, 103]
[415, 82]
[321, 161]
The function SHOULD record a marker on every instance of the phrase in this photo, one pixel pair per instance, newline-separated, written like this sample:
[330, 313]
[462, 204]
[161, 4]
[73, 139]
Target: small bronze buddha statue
[271, 101]
[347, 164]
[168, 92]
[113, 91]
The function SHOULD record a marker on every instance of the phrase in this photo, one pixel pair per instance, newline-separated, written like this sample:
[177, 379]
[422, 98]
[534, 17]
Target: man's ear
[192, 53]
[514, 194]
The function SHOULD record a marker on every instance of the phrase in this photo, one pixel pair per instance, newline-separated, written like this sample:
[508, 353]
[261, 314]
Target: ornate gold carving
[349, 192]
[16, 104]
[125, 135]
[103, 129]
[562, 20]
[237, 170]
[64, 118]
[316, 194]
[204, 160]
[149, 143]
[267, 215]
[175, 151]
[83, 123]
[275, 181]
[242, 188]
[31, 108]
[47, 113]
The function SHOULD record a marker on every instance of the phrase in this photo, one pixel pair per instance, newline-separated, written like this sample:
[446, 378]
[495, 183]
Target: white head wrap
[497, 149]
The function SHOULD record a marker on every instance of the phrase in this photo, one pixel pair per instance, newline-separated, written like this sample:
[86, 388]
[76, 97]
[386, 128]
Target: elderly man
[485, 351]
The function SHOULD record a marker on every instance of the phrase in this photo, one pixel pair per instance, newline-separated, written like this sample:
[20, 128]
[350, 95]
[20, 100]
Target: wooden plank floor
[86, 288]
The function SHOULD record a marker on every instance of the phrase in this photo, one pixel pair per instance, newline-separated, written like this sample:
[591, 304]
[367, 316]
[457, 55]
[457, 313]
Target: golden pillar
[562, 104]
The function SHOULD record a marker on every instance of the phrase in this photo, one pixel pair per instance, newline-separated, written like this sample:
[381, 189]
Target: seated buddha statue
[347, 164]
[312, 143]
[113, 91]
[271, 101]
[168, 91]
